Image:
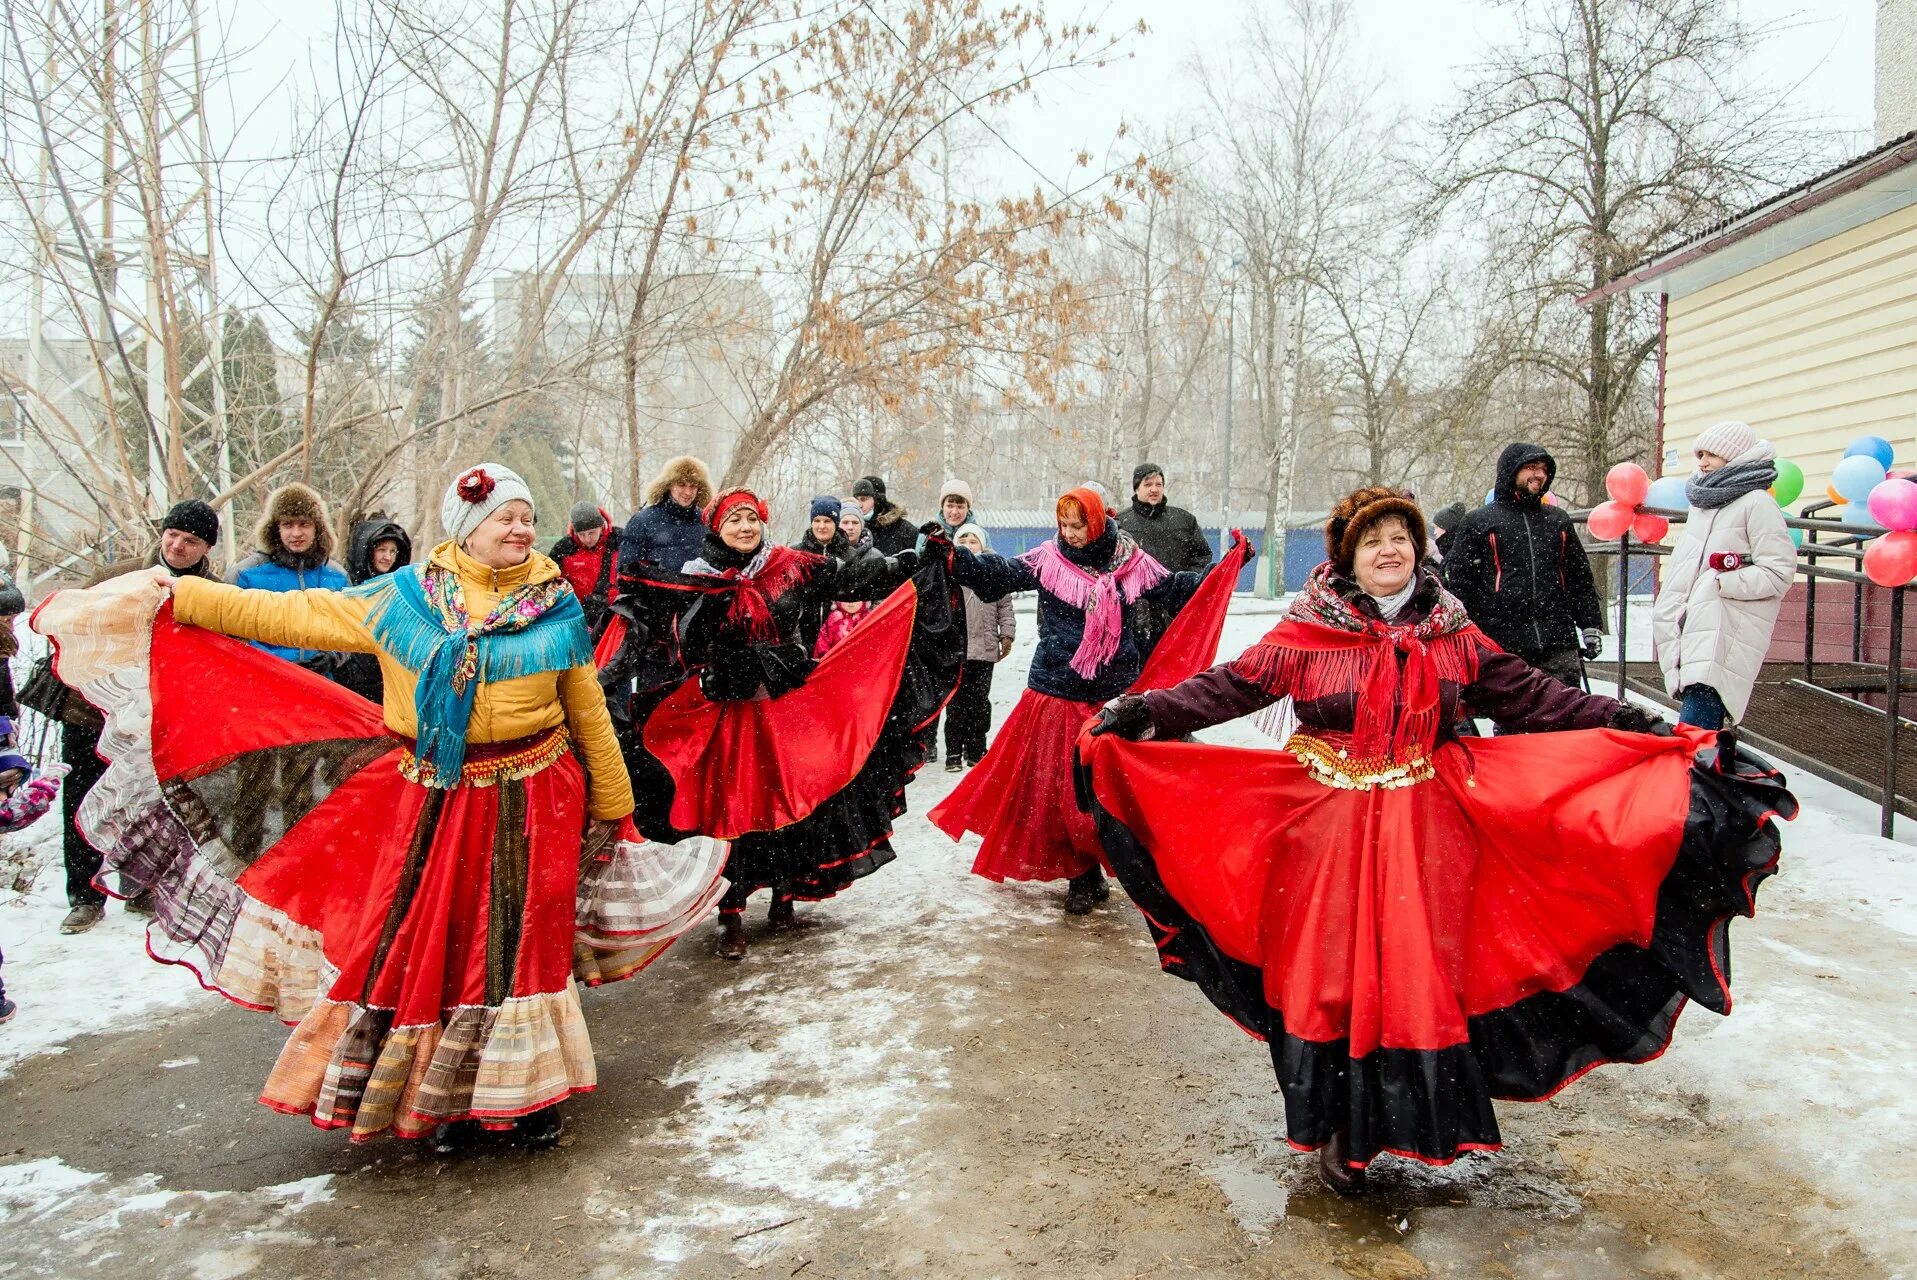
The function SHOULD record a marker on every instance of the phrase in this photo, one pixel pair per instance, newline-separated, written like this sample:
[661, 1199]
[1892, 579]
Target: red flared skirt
[1019, 797]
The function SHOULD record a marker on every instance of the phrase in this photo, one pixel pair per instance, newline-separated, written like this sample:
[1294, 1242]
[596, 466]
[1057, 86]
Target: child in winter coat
[839, 621]
[989, 628]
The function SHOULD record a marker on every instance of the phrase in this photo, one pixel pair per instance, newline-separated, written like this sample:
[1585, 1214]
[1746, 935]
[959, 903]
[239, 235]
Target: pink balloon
[1650, 528]
[1611, 521]
[1901, 473]
[1891, 561]
[1627, 483]
[1893, 504]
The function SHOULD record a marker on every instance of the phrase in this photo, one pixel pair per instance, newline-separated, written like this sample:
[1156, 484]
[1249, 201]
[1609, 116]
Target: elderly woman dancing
[422, 886]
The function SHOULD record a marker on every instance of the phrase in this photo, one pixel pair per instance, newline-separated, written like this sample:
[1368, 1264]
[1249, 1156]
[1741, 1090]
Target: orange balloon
[1830, 491]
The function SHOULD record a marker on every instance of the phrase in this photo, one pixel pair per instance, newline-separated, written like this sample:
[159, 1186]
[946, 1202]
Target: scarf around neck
[1326, 645]
[754, 580]
[1102, 594]
[420, 618]
[1755, 469]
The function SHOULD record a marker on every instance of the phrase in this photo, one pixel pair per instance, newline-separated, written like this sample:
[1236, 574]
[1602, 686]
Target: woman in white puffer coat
[1725, 580]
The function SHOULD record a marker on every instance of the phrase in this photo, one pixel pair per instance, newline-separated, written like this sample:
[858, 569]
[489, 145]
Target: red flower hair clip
[476, 486]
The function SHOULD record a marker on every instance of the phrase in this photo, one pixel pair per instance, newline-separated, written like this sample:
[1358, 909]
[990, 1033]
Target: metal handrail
[1808, 555]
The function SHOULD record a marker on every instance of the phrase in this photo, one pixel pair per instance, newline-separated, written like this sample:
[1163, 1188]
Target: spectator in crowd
[188, 535]
[376, 545]
[885, 519]
[852, 524]
[295, 540]
[1725, 580]
[955, 507]
[1522, 574]
[989, 629]
[669, 529]
[588, 555]
[1444, 528]
[1169, 535]
[1104, 496]
[12, 605]
[823, 623]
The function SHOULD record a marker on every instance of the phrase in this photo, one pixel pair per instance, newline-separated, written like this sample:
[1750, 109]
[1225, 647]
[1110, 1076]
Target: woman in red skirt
[404, 883]
[1417, 925]
[1019, 797]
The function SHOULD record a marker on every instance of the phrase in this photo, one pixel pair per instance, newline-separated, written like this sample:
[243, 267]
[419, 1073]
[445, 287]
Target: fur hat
[1725, 439]
[295, 502]
[1145, 471]
[684, 469]
[955, 489]
[476, 493]
[868, 487]
[194, 517]
[1361, 509]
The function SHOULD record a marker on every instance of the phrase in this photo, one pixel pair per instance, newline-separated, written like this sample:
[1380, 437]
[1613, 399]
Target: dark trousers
[969, 714]
[1703, 706]
[79, 750]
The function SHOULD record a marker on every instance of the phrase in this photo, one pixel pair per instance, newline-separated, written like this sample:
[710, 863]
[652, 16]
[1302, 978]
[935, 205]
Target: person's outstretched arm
[317, 618]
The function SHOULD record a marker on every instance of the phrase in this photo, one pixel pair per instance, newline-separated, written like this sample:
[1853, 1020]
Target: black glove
[907, 561]
[1593, 643]
[1128, 717]
[933, 531]
[1637, 720]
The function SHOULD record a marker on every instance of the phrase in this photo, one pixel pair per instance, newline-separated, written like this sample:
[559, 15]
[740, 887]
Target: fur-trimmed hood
[683, 469]
[294, 502]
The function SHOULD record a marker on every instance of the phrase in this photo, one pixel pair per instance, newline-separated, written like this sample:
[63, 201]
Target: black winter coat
[1519, 569]
[1061, 626]
[360, 671]
[665, 534]
[732, 666]
[1170, 535]
[891, 529]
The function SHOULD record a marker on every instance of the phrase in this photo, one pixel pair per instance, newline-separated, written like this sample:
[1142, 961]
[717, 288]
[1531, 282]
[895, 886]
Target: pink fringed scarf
[1103, 596]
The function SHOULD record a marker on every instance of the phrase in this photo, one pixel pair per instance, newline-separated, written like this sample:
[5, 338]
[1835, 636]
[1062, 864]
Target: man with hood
[295, 540]
[670, 528]
[887, 522]
[1171, 536]
[1521, 573]
[588, 555]
[374, 546]
[188, 535]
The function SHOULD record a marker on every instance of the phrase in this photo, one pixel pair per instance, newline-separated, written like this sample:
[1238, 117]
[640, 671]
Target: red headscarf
[1091, 504]
[722, 506]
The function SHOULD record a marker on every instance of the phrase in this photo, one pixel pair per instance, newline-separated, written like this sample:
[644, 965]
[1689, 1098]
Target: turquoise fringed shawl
[451, 663]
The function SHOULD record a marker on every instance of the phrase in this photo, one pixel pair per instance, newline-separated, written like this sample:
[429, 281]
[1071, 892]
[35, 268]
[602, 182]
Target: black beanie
[1144, 471]
[825, 506]
[194, 517]
[869, 487]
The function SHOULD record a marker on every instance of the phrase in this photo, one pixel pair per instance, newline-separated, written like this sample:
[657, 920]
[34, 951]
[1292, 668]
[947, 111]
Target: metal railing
[1845, 545]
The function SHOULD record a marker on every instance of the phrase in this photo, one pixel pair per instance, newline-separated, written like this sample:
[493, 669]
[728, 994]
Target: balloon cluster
[1876, 497]
[1864, 467]
[1631, 490]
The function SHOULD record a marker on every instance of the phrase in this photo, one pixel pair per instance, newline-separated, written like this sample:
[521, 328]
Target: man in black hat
[188, 535]
[891, 531]
[1170, 535]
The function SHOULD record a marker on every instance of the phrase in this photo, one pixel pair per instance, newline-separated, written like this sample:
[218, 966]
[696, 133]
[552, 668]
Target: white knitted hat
[476, 493]
[1725, 439]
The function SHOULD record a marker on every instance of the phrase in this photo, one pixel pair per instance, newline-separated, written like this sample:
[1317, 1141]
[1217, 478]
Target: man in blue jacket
[295, 552]
[669, 529]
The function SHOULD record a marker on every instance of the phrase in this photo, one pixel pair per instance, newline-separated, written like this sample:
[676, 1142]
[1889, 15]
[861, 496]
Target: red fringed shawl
[754, 590]
[1325, 647]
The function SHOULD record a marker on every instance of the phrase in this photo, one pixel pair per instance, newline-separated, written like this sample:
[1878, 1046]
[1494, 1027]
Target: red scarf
[752, 596]
[1326, 646]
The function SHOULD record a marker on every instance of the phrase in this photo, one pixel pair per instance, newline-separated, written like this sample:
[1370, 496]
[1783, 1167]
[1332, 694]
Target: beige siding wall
[1813, 350]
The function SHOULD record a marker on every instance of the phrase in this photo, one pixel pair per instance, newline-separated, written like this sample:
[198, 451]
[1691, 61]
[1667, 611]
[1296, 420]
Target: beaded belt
[490, 763]
[1333, 766]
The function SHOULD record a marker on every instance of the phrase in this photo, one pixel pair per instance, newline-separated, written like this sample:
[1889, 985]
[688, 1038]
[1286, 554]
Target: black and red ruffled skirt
[428, 943]
[807, 785]
[1415, 942]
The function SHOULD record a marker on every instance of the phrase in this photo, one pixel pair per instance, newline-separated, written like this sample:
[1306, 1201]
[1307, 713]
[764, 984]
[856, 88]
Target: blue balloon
[1667, 494]
[1857, 515]
[1797, 536]
[1871, 447]
[1856, 476]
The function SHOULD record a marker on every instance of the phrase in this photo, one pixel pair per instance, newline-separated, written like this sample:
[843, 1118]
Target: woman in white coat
[1725, 580]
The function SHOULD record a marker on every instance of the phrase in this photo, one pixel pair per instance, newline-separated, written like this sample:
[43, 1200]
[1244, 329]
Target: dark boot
[1083, 892]
[732, 939]
[783, 914]
[1336, 1172]
[83, 917]
[460, 1135]
[539, 1130]
[141, 904]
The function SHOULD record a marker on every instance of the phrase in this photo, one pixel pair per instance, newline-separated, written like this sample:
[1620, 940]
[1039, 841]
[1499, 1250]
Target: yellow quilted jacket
[509, 709]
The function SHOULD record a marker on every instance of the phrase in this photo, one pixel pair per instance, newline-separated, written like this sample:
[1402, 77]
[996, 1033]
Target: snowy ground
[951, 1078]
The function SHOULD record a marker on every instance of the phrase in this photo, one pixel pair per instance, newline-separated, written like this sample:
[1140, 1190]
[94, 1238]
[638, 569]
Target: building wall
[1813, 349]
[1896, 68]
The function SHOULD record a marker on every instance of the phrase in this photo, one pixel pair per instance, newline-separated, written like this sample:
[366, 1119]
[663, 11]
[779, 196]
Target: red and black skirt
[806, 786]
[1415, 941]
[427, 943]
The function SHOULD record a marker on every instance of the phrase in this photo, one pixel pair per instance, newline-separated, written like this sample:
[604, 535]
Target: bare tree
[1606, 129]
